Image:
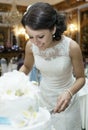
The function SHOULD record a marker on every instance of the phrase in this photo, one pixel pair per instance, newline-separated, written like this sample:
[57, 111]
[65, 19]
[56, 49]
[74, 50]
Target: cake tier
[43, 122]
[17, 94]
[12, 108]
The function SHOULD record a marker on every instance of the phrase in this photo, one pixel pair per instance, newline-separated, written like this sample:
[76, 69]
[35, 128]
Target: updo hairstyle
[43, 16]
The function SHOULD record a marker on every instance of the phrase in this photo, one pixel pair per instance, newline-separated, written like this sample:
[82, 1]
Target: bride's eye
[41, 36]
[30, 37]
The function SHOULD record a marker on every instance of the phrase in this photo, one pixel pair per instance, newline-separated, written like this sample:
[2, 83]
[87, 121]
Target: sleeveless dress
[57, 76]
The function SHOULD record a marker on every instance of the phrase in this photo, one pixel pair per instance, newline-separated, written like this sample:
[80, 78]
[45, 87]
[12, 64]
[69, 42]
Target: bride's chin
[42, 48]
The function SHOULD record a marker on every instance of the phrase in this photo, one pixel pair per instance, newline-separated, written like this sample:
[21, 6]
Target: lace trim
[52, 53]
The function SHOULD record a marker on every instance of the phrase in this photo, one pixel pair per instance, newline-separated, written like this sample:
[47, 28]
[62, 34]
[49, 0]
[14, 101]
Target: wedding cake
[19, 107]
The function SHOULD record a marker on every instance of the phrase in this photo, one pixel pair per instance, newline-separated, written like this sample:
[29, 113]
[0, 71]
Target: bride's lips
[41, 45]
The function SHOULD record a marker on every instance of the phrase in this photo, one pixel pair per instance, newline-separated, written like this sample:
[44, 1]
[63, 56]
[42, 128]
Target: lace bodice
[60, 49]
[54, 63]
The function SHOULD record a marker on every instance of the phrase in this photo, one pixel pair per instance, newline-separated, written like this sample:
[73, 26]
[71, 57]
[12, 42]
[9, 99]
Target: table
[9, 54]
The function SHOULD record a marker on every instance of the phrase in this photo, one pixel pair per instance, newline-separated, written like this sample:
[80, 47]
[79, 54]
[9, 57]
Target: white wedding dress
[57, 76]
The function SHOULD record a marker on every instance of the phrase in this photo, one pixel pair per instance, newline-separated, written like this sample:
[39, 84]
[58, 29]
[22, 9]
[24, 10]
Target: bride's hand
[62, 102]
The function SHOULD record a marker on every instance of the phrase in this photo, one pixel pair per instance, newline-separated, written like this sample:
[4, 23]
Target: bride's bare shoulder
[28, 46]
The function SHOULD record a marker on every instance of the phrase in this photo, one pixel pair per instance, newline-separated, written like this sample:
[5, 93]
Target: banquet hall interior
[13, 37]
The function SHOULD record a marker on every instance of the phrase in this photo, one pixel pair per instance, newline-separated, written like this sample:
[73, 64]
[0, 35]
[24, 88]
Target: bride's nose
[36, 41]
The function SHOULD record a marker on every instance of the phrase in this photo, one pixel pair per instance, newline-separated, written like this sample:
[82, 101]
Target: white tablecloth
[83, 97]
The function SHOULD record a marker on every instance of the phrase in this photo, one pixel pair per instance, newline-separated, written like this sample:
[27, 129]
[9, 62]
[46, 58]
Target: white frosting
[16, 84]
[17, 94]
[19, 104]
[42, 122]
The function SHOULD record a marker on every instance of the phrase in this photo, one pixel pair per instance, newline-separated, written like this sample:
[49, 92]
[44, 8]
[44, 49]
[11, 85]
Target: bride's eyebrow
[39, 35]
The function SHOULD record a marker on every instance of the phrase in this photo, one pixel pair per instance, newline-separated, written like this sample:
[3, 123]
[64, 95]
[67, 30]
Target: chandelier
[14, 16]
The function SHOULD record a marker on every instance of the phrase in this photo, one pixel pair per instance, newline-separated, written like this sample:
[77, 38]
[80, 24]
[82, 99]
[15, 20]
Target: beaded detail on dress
[54, 52]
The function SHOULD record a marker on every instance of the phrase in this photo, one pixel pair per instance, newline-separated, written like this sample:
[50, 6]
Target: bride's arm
[28, 60]
[78, 67]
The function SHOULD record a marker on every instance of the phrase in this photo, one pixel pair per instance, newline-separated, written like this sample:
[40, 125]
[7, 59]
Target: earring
[53, 35]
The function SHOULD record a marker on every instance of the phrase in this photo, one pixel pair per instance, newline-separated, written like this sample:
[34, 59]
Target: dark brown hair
[43, 16]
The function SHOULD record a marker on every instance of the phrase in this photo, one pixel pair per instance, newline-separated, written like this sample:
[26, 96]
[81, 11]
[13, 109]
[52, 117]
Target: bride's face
[41, 38]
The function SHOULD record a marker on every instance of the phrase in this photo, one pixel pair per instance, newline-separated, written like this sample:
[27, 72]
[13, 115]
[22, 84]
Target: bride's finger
[63, 106]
